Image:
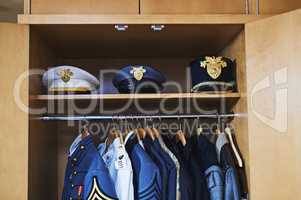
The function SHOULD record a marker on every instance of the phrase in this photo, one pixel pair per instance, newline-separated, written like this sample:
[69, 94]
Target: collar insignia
[65, 75]
[96, 193]
[214, 66]
[138, 72]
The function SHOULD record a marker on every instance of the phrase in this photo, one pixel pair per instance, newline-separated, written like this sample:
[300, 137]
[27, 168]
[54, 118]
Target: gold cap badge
[138, 72]
[214, 66]
[65, 75]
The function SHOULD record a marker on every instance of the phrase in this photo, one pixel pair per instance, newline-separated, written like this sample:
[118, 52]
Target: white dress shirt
[119, 164]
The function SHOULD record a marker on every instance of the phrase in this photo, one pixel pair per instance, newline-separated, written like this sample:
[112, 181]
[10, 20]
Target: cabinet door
[192, 6]
[14, 50]
[273, 49]
[85, 7]
[277, 6]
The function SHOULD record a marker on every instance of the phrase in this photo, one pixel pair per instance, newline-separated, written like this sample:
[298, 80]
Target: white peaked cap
[69, 78]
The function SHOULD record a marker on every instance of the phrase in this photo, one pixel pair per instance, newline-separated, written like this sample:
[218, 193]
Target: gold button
[70, 198]
[82, 147]
[74, 159]
[72, 185]
[74, 172]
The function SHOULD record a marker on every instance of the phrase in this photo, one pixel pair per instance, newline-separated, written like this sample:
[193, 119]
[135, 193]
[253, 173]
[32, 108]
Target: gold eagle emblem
[96, 193]
[214, 66]
[138, 72]
[65, 75]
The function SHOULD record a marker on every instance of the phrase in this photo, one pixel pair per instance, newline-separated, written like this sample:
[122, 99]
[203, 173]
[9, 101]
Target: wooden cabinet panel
[193, 6]
[84, 7]
[278, 6]
[273, 48]
[14, 50]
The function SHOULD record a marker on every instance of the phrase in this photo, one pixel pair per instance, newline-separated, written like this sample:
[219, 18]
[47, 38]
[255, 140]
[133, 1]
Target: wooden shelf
[136, 96]
[138, 19]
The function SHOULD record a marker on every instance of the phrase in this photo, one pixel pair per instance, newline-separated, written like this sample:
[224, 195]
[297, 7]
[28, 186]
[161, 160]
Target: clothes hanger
[127, 128]
[148, 131]
[156, 131]
[119, 133]
[152, 128]
[180, 136]
[137, 134]
[120, 137]
[141, 133]
[218, 129]
[239, 159]
[131, 129]
[200, 128]
[113, 134]
[85, 132]
[126, 131]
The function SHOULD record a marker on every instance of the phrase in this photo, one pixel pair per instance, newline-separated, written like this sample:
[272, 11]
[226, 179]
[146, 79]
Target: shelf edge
[138, 19]
[134, 96]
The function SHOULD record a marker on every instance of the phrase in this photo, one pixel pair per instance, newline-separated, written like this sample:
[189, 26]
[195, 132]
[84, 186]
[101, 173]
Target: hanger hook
[179, 120]
[132, 118]
[151, 121]
[219, 122]
[119, 121]
[113, 123]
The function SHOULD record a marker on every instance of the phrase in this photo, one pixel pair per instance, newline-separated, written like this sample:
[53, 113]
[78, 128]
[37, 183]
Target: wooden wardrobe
[266, 47]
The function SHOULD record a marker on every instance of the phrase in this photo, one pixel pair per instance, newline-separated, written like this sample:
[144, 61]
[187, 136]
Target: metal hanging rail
[135, 117]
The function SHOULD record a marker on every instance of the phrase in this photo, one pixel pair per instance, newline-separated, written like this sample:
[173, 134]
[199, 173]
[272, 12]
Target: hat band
[67, 89]
[211, 83]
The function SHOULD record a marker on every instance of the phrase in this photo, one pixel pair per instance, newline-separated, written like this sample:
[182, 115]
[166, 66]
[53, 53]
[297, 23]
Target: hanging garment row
[149, 164]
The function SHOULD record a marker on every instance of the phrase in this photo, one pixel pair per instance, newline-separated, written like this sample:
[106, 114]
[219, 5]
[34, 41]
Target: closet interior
[101, 47]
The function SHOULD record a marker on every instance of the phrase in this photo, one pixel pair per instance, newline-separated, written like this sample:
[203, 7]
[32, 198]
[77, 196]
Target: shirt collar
[75, 144]
[116, 144]
[79, 141]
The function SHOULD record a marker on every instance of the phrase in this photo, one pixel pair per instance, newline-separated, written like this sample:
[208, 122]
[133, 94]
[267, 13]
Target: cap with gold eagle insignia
[69, 79]
[212, 73]
[139, 79]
